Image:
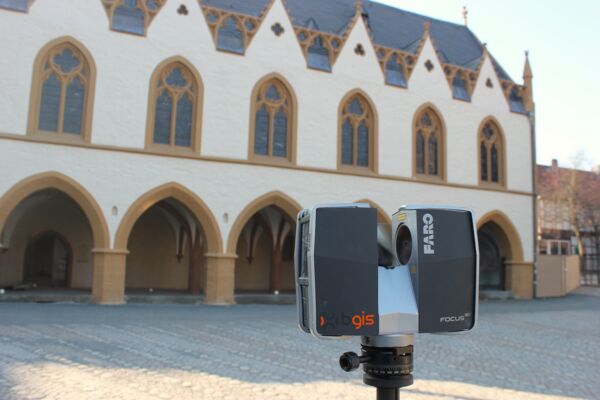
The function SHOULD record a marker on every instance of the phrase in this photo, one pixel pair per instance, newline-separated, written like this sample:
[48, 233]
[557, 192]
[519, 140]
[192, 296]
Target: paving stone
[544, 349]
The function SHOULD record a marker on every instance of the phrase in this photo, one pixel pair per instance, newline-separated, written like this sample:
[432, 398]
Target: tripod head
[387, 363]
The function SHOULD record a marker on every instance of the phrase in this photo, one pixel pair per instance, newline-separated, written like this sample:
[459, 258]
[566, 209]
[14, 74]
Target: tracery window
[63, 83]
[515, 100]
[318, 55]
[321, 50]
[459, 88]
[491, 154]
[232, 32]
[273, 119]
[174, 106]
[429, 145]
[357, 133]
[230, 37]
[132, 16]
[394, 72]
[16, 5]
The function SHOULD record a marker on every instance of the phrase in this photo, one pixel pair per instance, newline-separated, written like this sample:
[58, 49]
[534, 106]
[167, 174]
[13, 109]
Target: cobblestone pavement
[545, 349]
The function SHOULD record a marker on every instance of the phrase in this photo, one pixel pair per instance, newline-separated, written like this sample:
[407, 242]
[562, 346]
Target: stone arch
[382, 217]
[276, 198]
[186, 197]
[66, 185]
[513, 239]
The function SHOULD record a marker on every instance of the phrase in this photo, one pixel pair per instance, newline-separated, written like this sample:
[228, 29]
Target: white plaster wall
[120, 178]
[125, 64]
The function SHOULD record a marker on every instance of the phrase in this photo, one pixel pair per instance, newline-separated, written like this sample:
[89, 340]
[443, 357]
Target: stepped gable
[390, 27]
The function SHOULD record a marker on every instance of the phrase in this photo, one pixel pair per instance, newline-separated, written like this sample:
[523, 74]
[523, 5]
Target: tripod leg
[388, 394]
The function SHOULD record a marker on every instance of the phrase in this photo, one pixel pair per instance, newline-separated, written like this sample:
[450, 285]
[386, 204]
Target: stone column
[220, 279]
[108, 282]
[519, 278]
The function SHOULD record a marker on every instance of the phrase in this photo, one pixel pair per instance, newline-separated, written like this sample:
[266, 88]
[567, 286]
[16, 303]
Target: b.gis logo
[332, 321]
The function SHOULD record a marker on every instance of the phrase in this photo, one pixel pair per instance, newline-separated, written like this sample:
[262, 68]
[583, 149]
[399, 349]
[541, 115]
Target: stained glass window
[516, 101]
[318, 55]
[459, 88]
[491, 145]
[272, 120]
[429, 138]
[394, 72]
[230, 37]
[15, 5]
[63, 92]
[357, 133]
[132, 16]
[174, 106]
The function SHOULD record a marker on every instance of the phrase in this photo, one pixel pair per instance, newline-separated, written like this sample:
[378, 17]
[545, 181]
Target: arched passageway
[48, 261]
[165, 250]
[168, 232]
[263, 238]
[265, 252]
[48, 243]
[499, 246]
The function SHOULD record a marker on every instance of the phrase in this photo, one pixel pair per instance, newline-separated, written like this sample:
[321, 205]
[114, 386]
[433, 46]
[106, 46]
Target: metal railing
[590, 270]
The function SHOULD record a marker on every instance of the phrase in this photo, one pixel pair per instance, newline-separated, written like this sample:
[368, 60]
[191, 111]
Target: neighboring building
[568, 210]
[170, 144]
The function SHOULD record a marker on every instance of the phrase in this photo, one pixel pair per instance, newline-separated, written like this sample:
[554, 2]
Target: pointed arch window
[491, 154]
[174, 108]
[429, 145]
[132, 16]
[318, 55]
[63, 85]
[357, 134]
[230, 36]
[273, 123]
[394, 71]
[16, 5]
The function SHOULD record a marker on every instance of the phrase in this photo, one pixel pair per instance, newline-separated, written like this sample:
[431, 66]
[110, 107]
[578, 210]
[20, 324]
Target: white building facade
[152, 159]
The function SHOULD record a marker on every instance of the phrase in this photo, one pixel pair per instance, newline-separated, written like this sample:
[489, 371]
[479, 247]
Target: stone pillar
[220, 279]
[108, 282]
[519, 279]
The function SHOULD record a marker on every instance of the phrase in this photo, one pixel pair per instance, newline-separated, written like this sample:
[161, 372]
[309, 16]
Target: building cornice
[197, 157]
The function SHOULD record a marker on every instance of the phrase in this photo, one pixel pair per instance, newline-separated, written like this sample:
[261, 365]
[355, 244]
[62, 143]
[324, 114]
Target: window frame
[292, 123]
[111, 5]
[37, 82]
[373, 167]
[441, 175]
[501, 184]
[197, 120]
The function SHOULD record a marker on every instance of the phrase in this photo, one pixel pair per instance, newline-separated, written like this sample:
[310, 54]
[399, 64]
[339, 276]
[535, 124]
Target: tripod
[387, 364]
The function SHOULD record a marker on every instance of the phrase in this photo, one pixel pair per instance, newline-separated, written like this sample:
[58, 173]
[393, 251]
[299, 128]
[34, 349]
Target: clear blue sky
[563, 38]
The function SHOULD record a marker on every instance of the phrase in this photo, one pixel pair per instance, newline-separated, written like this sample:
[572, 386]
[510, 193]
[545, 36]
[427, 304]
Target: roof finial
[426, 26]
[358, 7]
[527, 72]
[465, 14]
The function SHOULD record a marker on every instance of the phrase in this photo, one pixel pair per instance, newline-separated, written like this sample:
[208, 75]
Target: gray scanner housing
[341, 290]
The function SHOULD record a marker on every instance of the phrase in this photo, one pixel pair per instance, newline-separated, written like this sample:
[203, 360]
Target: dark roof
[391, 27]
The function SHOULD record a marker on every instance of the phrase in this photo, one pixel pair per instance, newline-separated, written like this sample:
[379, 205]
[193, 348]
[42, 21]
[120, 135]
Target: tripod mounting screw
[349, 361]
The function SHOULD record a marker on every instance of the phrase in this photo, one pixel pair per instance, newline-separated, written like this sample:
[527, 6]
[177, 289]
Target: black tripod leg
[388, 394]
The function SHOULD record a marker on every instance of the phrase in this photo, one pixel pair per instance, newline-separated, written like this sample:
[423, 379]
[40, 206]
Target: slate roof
[391, 27]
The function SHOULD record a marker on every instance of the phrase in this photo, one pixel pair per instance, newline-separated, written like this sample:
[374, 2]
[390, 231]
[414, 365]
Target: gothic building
[169, 144]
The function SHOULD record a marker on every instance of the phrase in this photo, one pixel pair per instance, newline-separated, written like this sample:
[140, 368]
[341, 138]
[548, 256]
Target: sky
[563, 40]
